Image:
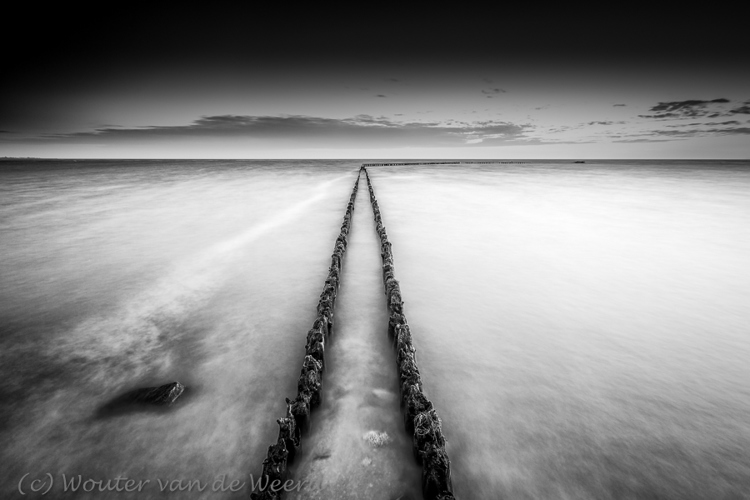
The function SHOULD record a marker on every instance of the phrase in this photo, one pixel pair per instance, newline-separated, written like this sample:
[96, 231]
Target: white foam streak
[139, 325]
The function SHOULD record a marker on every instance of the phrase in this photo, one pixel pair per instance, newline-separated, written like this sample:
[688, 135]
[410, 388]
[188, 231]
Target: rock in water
[165, 394]
[162, 396]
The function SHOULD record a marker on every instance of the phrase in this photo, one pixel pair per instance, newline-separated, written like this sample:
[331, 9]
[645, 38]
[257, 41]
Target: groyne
[420, 417]
[297, 419]
[444, 163]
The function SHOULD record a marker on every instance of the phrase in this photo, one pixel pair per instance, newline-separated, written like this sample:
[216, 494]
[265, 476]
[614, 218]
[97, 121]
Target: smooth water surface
[581, 329]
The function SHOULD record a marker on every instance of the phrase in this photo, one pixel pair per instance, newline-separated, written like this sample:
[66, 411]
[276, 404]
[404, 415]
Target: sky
[375, 82]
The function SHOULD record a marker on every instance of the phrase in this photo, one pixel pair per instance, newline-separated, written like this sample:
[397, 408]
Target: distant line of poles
[440, 163]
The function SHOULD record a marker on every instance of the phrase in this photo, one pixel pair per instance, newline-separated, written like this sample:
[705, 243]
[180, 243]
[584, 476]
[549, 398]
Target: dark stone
[165, 394]
[146, 397]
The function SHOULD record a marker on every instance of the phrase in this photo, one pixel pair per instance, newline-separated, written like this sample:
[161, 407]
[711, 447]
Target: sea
[582, 329]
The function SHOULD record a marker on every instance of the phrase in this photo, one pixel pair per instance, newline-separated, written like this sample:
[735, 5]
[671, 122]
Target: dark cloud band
[361, 130]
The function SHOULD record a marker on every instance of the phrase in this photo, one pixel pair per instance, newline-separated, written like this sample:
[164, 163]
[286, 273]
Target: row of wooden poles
[445, 163]
[297, 419]
[420, 418]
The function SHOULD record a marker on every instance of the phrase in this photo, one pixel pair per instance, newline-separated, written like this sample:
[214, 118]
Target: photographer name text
[42, 484]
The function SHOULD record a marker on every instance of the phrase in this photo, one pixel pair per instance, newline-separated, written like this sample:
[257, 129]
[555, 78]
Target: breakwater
[297, 418]
[445, 163]
[420, 417]
[421, 420]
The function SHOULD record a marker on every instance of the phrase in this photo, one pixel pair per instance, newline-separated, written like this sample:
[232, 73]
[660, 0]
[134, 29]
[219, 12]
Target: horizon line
[377, 160]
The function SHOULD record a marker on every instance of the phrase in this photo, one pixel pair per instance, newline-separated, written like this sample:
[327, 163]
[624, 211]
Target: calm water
[581, 329]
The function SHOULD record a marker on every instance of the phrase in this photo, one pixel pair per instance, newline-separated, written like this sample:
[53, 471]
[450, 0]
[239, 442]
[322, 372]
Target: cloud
[561, 128]
[371, 131]
[676, 105]
[693, 124]
[493, 91]
[681, 131]
[745, 110]
[357, 131]
[381, 95]
[662, 116]
[642, 140]
[691, 108]
[618, 105]
[702, 132]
